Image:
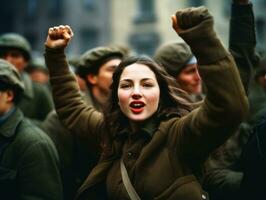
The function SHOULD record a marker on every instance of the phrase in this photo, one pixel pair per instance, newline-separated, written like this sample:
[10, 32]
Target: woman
[146, 127]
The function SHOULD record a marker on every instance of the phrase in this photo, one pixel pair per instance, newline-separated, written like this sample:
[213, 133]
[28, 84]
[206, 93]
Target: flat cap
[10, 76]
[92, 59]
[17, 41]
[173, 56]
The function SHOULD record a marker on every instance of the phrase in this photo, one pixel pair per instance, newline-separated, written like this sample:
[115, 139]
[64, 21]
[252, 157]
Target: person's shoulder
[29, 134]
[40, 88]
[165, 124]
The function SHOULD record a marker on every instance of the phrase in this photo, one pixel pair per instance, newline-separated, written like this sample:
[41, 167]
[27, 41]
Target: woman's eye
[125, 86]
[147, 85]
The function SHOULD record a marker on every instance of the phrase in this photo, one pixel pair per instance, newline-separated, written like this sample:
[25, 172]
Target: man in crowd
[36, 101]
[29, 164]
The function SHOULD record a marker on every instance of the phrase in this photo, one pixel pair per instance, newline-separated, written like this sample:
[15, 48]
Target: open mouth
[137, 106]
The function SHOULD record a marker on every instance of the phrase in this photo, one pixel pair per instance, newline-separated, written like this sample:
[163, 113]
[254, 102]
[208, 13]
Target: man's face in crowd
[6, 98]
[189, 79]
[103, 79]
[16, 58]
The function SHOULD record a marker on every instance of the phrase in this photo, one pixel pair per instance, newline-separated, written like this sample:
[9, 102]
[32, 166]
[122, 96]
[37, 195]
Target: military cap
[37, 63]
[91, 60]
[14, 40]
[10, 76]
[174, 57]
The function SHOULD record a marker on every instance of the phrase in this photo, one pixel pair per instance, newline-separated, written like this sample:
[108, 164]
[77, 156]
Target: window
[32, 39]
[145, 43]
[145, 12]
[31, 8]
[196, 3]
[55, 8]
[89, 4]
[89, 39]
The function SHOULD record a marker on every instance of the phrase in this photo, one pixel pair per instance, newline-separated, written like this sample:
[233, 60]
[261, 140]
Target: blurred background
[141, 25]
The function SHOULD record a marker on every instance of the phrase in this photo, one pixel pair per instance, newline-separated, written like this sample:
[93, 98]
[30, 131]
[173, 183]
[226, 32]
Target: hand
[59, 36]
[241, 2]
[175, 24]
[189, 17]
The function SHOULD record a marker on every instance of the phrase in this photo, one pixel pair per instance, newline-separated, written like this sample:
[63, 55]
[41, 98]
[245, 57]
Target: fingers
[68, 33]
[59, 36]
[69, 30]
[175, 24]
[191, 17]
[60, 32]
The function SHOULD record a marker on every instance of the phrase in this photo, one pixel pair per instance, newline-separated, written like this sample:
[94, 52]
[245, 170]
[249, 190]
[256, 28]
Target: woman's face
[189, 79]
[138, 92]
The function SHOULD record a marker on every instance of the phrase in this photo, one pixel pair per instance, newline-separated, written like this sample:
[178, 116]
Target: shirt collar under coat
[8, 128]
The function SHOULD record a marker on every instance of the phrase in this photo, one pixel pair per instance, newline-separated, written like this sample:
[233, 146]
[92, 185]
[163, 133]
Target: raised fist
[190, 17]
[59, 36]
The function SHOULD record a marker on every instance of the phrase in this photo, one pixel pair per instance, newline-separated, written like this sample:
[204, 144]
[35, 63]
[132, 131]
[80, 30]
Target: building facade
[142, 25]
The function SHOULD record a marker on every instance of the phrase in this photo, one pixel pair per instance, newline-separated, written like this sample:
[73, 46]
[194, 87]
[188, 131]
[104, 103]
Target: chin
[137, 118]
[196, 91]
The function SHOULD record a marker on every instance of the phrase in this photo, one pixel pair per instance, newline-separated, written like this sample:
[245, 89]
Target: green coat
[29, 165]
[36, 101]
[76, 160]
[223, 169]
[163, 167]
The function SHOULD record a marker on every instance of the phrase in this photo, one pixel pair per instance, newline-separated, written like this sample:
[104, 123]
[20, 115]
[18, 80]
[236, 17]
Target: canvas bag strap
[127, 183]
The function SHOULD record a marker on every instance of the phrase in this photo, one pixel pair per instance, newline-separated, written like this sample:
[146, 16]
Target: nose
[197, 76]
[136, 94]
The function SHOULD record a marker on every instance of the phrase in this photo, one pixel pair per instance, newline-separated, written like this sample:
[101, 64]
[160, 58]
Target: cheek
[185, 81]
[122, 98]
[107, 74]
[153, 100]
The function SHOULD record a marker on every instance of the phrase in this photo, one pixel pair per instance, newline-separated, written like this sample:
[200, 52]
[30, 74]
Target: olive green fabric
[36, 101]
[14, 40]
[76, 160]
[179, 144]
[10, 75]
[173, 57]
[29, 164]
[36, 63]
[224, 168]
[92, 59]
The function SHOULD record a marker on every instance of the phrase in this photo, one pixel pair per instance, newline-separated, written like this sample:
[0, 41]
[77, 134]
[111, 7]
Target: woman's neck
[135, 126]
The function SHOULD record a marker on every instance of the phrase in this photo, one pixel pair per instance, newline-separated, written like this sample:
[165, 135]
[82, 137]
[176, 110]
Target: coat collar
[148, 128]
[8, 128]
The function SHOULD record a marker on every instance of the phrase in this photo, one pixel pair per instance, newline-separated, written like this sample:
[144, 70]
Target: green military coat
[36, 101]
[29, 165]
[224, 168]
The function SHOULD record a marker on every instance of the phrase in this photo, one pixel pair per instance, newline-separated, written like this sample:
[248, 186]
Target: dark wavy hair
[173, 101]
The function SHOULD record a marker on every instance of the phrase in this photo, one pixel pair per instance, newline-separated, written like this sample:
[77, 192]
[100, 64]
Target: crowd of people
[187, 123]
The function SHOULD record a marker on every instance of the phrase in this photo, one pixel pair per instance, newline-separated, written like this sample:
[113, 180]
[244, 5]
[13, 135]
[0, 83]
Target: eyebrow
[130, 80]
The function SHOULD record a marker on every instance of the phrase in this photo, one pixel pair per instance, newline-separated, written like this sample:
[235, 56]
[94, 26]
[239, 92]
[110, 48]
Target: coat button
[129, 154]
[203, 196]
